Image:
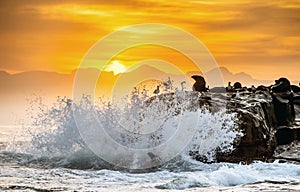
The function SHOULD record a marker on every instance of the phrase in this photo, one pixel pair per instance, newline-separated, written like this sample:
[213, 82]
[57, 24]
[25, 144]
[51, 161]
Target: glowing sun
[116, 67]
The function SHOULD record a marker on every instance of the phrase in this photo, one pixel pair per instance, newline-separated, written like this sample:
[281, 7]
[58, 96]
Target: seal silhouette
[281, 85]
[237, 85]
[200, 83]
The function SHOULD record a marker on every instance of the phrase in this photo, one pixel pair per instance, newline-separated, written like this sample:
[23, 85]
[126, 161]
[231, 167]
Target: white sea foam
[147, 124]
[233, 177]
[189, 175]
[224, 174]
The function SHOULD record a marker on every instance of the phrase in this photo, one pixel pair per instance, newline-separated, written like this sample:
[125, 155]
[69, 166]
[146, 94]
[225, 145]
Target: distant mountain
[3, 74]
[53, 84]
[33, 81]
[244, 78]
[16, 91]
[16, 88]
[147, 77]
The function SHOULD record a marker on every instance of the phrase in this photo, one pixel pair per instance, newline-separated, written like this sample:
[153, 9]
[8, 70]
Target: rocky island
[268, 117]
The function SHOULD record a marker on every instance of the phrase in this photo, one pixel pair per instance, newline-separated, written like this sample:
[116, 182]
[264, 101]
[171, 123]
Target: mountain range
[17, 89]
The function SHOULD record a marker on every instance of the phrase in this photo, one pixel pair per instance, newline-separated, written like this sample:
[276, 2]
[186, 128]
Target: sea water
[50, 155]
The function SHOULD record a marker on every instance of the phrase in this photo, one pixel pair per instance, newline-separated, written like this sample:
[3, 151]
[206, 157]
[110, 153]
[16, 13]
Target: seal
[200, 83]
[237, 85]
[281, 85]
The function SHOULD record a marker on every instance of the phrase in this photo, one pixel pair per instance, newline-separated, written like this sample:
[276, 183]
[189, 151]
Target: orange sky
[261, 38]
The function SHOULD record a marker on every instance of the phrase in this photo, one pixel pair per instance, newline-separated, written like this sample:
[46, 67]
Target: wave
[191, 173]
[225, 174]
[141, 122]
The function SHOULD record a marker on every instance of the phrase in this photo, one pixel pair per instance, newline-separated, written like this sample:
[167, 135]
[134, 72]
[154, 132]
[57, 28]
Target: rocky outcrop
[288, 130]
[266, 120]
[256, 120]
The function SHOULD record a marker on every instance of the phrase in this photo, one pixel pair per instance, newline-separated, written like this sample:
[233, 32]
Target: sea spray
[215, 131]
[142, 122]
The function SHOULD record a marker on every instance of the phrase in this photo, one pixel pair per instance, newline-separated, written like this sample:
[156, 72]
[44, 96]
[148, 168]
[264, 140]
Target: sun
[116, 67]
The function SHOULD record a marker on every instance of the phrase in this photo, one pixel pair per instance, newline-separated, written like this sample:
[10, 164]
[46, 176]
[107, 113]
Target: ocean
[49, 155]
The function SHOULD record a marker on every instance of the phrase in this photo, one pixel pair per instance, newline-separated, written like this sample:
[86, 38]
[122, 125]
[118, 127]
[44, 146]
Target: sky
[260, 38]
[251, 41]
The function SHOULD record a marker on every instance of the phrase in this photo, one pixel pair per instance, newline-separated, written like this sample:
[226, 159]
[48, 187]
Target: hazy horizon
[17, 90]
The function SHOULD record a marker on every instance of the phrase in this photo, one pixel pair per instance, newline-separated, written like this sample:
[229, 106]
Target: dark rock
[296, 99]
[286, 135]
[229, 88]
[295, 88]
[256, 122]
[265, 118]
[262, 88]
[284, 108]
[252, 89]
[218, 90]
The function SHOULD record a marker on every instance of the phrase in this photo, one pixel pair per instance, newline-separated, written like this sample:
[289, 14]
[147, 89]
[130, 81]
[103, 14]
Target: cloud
[54, 35]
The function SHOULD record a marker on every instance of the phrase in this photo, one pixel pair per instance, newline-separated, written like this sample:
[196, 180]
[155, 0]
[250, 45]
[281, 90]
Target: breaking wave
[148, 122]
